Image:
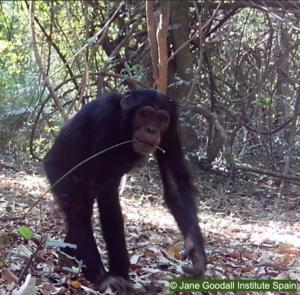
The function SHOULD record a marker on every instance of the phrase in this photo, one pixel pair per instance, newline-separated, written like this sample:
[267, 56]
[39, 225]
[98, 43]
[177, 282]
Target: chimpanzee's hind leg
[76, 202]
[78, 208]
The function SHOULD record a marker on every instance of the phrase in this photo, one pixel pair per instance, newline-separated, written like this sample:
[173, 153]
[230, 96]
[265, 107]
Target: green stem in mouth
[156, 146]
[160, 149]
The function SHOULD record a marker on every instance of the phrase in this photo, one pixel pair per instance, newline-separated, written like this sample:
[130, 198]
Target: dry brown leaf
[175, 251]
[284, 260]
[248, 255]
[234, 255]
[287, 249]
[47, 288]
[247, 268]
[8, 276]
[151, 252]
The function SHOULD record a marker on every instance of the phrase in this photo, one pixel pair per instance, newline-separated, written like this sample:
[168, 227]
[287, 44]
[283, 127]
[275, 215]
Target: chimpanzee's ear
[123, 103]
[126, 101]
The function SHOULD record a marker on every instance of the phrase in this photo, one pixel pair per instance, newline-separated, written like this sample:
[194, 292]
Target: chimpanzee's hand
[195, 251]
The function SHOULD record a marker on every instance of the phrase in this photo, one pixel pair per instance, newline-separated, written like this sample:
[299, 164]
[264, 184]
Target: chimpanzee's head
[153, 114]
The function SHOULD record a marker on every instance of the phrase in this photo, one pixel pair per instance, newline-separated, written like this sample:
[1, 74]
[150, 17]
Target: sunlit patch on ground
[249, 232]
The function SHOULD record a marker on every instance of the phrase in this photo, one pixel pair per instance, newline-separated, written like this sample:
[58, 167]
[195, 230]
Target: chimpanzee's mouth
[145, 142]
[143, 148]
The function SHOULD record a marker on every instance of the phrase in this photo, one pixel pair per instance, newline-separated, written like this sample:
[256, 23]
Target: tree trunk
[182, 61]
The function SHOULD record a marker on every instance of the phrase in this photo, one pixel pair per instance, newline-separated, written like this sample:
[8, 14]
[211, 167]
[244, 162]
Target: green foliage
[243, 53]
[25, 232]
[15, 52]
[137, 72]
[265, 100]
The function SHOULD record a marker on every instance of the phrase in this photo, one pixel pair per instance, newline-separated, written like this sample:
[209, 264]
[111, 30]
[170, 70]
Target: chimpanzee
[149, 118]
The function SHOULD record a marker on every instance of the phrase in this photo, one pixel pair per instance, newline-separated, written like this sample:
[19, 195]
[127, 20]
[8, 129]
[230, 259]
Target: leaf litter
[251, 231]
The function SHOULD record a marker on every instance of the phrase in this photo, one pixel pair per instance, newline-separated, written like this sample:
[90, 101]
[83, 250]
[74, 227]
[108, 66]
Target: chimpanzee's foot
[117, 283]
[195, 251]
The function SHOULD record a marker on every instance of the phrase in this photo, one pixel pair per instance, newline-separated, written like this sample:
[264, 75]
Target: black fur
[104, 122]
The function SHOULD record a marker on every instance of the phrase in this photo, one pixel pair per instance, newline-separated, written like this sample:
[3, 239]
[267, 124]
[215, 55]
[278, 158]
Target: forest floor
[251, 231]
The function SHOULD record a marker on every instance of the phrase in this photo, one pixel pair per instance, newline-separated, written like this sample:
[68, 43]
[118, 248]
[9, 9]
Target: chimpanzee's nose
[151, 129]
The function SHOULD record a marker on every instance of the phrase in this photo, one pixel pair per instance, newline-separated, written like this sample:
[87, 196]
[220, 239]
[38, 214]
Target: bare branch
[40, 64]
[151, 27]
[162, 34]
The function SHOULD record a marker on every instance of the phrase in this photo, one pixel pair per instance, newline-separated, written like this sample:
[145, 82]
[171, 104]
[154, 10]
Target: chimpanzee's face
[149, 126]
